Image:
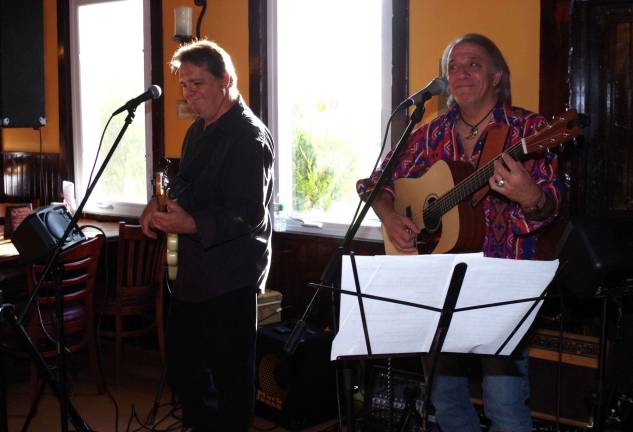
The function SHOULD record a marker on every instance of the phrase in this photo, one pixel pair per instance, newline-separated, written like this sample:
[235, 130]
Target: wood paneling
[31, 177]
[300, 259]
[601, 86]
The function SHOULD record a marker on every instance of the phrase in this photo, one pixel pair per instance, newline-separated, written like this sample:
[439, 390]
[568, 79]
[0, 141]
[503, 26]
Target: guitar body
[460, 229]
[438, 201]
[171, 239]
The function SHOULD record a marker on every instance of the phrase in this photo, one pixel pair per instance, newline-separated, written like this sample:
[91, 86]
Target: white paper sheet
[424, 279]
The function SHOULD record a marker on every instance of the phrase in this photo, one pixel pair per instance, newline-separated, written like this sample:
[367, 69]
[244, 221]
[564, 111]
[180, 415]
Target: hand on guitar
[175, 220]
[401, 230]
[146, 219]
[512, 180]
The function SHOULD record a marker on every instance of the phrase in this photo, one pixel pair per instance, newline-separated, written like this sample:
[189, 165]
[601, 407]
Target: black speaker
[595, 252]
[294, 391]
[37, 236]
[21, 63]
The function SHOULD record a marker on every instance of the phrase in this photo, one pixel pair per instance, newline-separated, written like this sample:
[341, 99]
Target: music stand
[497, 346]
[329, 275]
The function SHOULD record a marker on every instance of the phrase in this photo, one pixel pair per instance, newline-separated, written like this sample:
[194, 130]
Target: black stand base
[7, 314]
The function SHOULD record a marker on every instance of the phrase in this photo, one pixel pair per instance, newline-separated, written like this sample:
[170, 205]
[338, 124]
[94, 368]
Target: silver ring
[500, 183]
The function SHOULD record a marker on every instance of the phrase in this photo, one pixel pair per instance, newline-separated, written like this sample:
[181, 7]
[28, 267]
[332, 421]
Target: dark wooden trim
[66, 153]
[554, 58]
[400, 66]
[584, 76]
[257, 58]
[158, 105]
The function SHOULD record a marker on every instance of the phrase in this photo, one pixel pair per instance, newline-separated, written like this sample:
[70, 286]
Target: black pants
[211, 360]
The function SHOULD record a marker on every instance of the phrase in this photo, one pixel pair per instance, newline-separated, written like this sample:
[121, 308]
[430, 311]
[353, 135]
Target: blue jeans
[505, 387]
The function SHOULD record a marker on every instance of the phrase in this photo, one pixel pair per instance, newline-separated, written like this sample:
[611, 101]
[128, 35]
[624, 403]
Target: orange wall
[225, 22]
[514, 25]
[433, 23]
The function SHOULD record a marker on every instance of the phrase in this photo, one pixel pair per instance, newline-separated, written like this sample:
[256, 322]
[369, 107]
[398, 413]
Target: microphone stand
[332, 269]
[59, 387]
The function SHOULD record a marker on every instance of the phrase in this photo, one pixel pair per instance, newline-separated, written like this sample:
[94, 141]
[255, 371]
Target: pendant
[474, 131]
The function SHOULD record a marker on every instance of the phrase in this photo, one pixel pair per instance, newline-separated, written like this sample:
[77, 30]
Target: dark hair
[504, 91]
[206, 54]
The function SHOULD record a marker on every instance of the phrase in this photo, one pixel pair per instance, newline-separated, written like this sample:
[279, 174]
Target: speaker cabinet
[562, 385]
[299, 390]
[37, 236]
[21, 63]
[594, 252]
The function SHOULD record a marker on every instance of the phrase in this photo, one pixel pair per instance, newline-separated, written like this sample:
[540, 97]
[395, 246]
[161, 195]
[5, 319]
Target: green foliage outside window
[322, 167]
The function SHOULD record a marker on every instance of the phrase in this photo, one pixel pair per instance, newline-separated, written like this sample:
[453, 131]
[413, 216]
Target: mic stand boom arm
[59, 387]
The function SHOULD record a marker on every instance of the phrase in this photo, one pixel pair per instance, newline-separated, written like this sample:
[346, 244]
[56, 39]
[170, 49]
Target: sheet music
[424, 279]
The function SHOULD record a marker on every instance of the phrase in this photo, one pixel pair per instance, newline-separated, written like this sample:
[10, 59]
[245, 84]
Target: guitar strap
[495, 140]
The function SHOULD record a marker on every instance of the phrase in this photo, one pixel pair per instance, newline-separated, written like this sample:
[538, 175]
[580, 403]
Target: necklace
[474, 129]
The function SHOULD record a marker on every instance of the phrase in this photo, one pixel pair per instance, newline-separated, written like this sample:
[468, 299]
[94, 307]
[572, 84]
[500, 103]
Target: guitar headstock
[564, 127]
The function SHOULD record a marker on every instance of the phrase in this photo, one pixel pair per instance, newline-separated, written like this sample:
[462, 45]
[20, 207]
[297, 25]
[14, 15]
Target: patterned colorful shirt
[509, 234]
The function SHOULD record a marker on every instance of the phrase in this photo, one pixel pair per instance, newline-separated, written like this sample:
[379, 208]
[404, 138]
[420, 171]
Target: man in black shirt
[222, 218]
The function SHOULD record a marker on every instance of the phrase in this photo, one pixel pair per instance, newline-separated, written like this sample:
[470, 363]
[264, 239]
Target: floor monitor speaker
[294, 391]
[38, 234]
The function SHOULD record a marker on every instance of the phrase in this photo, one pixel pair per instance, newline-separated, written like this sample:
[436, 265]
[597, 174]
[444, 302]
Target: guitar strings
[464, 188]
[474, 181]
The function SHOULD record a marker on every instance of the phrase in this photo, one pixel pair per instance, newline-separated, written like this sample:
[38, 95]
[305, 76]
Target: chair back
[139, 265]
[78, 267]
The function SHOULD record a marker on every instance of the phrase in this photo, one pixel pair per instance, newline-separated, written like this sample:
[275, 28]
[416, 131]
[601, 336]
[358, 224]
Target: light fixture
[182, 21]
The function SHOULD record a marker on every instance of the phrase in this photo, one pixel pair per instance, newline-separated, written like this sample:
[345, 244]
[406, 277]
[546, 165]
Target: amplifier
[567, 374]
[299, 390]
[562, 385]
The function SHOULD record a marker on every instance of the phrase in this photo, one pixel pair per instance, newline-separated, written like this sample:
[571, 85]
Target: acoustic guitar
[161, 184]
[438, 201]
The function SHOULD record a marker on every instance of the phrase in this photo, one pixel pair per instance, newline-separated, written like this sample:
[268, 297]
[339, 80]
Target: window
[110, 65]
[329, 101]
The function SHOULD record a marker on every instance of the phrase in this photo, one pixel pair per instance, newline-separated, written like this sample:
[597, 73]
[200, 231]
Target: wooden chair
[78, 266]
[136, 303]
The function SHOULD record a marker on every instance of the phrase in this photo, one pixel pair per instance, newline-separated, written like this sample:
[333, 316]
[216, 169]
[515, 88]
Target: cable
[382, 149]
[43, 193]
[94, 164]
[98, 329]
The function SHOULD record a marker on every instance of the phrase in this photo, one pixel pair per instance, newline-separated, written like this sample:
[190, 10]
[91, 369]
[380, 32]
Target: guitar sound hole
[428, 240]
[430, 235]
[431, 219]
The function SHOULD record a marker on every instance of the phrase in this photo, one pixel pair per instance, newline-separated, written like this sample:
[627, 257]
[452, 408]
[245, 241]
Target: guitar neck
[468, 186]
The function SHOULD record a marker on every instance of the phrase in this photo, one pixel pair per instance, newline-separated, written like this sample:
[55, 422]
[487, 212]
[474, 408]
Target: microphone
[153, 92]
[436, 87]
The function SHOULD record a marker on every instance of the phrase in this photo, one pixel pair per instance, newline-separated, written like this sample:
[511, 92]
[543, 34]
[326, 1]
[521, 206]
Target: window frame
[154, 16]
[259, 40]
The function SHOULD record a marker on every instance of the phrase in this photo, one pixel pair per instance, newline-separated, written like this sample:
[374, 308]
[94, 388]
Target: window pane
[111, 71]
[329, 103]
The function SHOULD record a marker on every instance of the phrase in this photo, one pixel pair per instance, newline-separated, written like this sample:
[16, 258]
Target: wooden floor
[134, 394]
